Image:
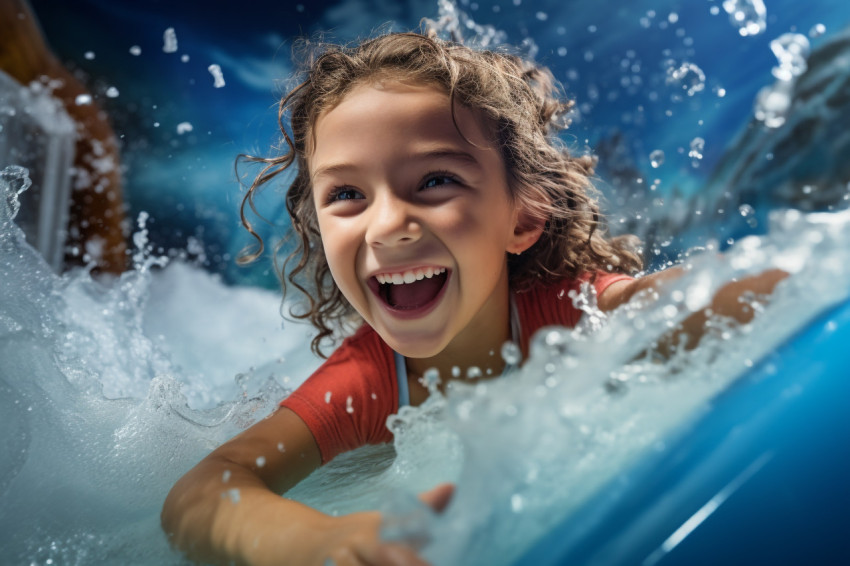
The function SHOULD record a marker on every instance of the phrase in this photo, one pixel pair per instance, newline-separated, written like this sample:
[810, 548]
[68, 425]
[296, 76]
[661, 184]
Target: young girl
[434, 204]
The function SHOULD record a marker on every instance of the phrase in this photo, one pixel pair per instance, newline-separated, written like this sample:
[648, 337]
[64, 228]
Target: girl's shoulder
[364, 349]
[345, 402]
[553, 303]
[563, 288]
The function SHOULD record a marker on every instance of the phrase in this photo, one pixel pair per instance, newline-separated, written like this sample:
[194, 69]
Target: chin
[416, 347]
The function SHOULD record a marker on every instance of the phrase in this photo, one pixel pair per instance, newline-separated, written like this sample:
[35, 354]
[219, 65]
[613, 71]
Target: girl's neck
[476, 354]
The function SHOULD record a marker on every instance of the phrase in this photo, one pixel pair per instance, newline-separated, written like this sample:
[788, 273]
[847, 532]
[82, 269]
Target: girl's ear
[527, 231]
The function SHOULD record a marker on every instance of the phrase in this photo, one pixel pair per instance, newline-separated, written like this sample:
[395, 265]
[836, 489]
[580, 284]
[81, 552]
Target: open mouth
[410, 291]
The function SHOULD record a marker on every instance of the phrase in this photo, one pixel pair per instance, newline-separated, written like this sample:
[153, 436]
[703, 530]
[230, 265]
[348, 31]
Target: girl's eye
[438, 180]
[343, 193]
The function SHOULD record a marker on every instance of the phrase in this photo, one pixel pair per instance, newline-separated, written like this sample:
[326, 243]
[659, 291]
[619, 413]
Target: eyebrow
[439, 153]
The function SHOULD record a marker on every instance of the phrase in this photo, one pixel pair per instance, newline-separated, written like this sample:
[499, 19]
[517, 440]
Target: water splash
[591, 400]
[697, 146]
[14, 180]
[773, 102]
[103, 378]
[688, 76]
[792, 50]
[749, 16]
[93, 376]
[454, 24]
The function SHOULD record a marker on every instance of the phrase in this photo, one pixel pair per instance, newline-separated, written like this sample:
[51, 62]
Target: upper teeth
[409, 276]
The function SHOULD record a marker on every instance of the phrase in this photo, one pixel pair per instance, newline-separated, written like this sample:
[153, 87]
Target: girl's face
[415, 221]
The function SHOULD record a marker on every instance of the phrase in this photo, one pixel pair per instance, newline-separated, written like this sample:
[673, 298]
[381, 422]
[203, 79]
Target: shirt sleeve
[604, 280]
[600, 280]
[346, 402]
[549, 305]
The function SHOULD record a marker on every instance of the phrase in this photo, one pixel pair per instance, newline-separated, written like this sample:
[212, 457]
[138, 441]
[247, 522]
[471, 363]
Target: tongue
[416, 294]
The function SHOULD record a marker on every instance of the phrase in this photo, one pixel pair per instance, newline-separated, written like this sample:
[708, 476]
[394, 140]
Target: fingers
[439, 497]
[397, 555]
[358, 543]
[375, 554]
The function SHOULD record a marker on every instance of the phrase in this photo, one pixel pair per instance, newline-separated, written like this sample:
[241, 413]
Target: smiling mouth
[412, 291]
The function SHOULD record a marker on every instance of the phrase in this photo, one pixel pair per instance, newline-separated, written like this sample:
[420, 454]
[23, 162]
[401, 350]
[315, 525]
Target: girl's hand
[357, 539]
[354, 540]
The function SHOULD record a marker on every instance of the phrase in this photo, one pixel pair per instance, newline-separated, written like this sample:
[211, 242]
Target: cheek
[331, 244]
[486, 223]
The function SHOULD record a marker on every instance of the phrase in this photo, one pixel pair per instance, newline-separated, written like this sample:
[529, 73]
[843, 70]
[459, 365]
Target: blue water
[112, 389]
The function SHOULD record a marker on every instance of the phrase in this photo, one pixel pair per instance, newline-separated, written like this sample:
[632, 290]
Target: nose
[392, 221]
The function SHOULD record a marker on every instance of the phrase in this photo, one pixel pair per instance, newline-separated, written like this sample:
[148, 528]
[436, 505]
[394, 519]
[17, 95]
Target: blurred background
[665, 93]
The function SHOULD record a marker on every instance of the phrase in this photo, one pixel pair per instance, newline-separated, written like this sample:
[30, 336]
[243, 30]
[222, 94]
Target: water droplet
[89, 55]
[83, 99]
[656, 158]
[135, 50]
[473, 372]
[431, 380]
[349, 408]
[327, 396]
[112, 92]
[772, 104]
[225, 477]
[169, 41]
[218, 77]
[746, 210]
[791, 49]
[184, 127]
[14, 180]
[689, 76]
[749, 16]
[817, 30]
[261, 461]
[696, 148]
[280, 447]
[511, 353]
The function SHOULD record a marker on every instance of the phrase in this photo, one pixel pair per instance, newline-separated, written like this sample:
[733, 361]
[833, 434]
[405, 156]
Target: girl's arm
[227, 508]
[725, 303]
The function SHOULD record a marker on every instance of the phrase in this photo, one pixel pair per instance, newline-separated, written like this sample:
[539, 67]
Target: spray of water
[112, 389]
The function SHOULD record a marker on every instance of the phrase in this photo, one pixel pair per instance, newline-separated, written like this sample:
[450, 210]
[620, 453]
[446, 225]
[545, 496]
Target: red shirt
[346, 402]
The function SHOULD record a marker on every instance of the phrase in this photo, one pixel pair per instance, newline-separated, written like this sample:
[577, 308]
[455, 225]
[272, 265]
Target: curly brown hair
[525, 109]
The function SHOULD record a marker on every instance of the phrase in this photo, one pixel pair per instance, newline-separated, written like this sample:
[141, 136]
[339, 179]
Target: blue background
[187, 182]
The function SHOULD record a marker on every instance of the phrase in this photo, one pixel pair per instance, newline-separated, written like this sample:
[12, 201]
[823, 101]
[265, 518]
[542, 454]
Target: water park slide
[760, 478]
